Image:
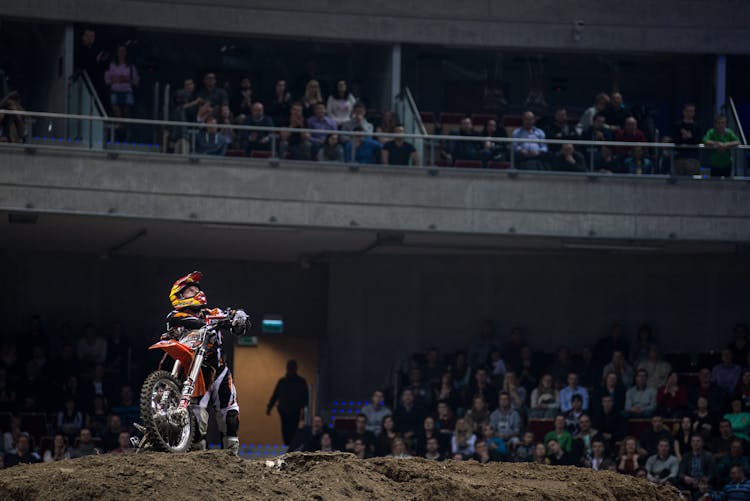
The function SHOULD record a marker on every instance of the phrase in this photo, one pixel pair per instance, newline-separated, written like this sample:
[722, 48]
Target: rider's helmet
[175, 295]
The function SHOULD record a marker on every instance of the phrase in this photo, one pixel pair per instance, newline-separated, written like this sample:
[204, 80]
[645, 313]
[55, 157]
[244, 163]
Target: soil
[312, 476]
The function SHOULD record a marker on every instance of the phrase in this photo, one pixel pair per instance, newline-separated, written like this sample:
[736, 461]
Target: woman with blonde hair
[545, 399]
[312, 97]
[463, 439]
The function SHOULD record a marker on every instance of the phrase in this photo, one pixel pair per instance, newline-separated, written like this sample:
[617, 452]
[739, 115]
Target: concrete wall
[231, 191]
[382, 309]
[697, 26]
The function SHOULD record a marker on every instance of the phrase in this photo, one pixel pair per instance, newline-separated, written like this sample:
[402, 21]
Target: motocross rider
[189, 313]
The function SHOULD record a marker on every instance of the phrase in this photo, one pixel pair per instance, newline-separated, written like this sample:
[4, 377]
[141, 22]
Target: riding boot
[232, 445]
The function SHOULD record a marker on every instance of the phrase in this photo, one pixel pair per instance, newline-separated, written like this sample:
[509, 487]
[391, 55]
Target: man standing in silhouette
[291, 395]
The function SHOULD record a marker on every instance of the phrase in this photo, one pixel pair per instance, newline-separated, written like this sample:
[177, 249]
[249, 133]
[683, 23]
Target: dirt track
[217, 475]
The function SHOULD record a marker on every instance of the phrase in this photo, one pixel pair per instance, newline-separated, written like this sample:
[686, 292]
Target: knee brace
[233, 423]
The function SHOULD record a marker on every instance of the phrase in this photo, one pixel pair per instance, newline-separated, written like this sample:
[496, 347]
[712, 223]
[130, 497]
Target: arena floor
[317, 476]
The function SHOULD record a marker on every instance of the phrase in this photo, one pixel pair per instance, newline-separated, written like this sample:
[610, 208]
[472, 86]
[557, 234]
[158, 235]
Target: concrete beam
[243, 191]
[684, 26]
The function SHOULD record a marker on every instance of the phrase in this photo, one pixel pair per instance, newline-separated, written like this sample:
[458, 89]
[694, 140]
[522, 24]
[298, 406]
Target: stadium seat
[260, 154]
[235, 153]
[344, 424]
[442, 163]
[512, 121]
[450, 121]
[540, 427]
[468, 164]
[708, 359]
[429, 121]
[688, 379]
[35, 423]
[638, 426]
[480, 120]
[680, 362]
[498, 165]
[46, 443]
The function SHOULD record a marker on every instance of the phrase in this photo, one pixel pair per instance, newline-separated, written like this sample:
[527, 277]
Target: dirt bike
[169, 425]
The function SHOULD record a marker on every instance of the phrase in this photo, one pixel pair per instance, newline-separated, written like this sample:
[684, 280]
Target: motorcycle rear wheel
[160, 396]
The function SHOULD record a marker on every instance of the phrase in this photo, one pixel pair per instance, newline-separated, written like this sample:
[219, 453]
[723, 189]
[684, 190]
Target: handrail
[92, 90]
[736, 117]
[415, 110]
[432, 137]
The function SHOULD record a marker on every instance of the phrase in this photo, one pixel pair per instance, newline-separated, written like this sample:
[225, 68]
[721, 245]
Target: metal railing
[285, 143]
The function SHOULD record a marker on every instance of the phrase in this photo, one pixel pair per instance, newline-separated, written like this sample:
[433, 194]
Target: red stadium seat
[344, 424]
[235, 153]
[512, 121]
[260, 154]
[450, 121]
[498, 165]
[442, 163]
[468, 164]
[638, 426]
[540, 427]
[480, 120]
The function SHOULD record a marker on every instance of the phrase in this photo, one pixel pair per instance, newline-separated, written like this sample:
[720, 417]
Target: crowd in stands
[65, 396]
[613, 406]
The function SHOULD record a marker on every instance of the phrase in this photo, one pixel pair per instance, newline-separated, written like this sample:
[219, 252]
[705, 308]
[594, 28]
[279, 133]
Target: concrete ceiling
[103, 236]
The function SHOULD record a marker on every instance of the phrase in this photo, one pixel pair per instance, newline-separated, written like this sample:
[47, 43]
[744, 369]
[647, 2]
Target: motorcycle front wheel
[169, 428]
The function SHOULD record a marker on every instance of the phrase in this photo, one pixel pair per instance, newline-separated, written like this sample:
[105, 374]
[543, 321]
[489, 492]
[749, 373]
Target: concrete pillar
[395, 71]
[721, 82]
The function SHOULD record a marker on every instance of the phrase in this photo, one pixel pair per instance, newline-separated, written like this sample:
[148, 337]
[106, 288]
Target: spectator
[637, 164]
[601, 101]
[258, 139]
[650, 437]
[432, 450]
[598, 461]
[540, 454]
[682, 437]
[422, 391]
[326, 443]
[398, 151]
[706, 388]
[629, 134]
[607, 345]
[446, 420]
[409, 415]
[210, 141]
[573, 415]
[312, 98]
[562, 366]
[12, 127]
[609, 421]
[640, 400]
[494, 443]
[529, 155]
[360, 432]
[613, 388]
[517, 393]
[387, 435]
[739, 419]
[427, 432]
[205, 111]
[446, 390]
[736, 490]
[122, 79]
[307, 438]
[687, 132]
[662, 467]
[124, 445]
[96, 420]
[742, 390]
[479, 414]
[557, 455]
[559, 128]
[607, 162]
[484, 455]
[496, 366]
[464, 150]
[281, 104]
[297, 144]
[111, 434]
[735, 458]
[388, 124]
[584, 437]
[721, 139]
[320, 121]
[566, 394]
[362, 150]
[697, 466]
[59, 450]
[671, 398]
[616, 111]
[375, 412]
[127, 408]
[568, 159]
[23, 453]
[560, 434]
[70, 420]
[506, 421]
[92, 349]
[726, 373]
[341, 103]
[598, 130]
[463, 439]
[245, 101]
[527, 367]
[704, 422]
[226, 120]
[90, 57]
[545, 399]
[524, 451]
[211, 94]
[84, 445]
[629, 461]
[620, 366]
[460, 370]
[398, 449]
[657, 369]
[493, 150]
[292, 397]
[480, 349]
[720, 445]
[331, 150]
[118, 349]
[358, 119]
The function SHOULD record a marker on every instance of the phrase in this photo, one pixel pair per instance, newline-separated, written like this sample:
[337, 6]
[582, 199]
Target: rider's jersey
[195, 319]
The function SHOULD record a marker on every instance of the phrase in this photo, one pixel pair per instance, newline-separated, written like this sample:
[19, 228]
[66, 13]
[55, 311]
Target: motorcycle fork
[189, 386]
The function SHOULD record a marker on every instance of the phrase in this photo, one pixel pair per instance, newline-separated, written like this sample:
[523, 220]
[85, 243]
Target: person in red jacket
[671, 399]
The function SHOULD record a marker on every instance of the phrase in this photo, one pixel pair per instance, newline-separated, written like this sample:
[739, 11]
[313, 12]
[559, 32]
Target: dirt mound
[217, 475]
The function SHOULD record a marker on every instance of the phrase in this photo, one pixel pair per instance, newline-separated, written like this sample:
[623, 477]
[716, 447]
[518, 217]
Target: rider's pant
[222, 396]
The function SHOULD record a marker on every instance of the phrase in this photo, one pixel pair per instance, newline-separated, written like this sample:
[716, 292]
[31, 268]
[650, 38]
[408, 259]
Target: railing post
[432, 152]
[273, 145]
[591, 158]
[512, 155]
[671, 161]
